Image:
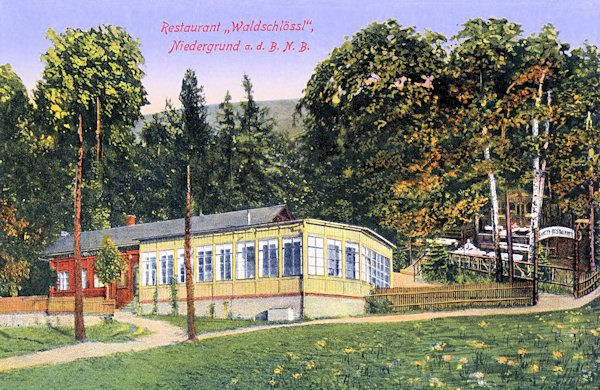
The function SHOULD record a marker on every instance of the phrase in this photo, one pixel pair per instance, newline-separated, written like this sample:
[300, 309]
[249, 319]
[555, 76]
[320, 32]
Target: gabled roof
[124, 236]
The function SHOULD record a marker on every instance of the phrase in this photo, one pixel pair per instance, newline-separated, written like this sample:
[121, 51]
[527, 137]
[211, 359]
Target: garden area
[555, 350]
[21, 341]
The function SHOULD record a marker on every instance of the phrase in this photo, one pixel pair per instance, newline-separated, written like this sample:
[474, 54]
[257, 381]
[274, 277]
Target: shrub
[378, 306]
[174, 304]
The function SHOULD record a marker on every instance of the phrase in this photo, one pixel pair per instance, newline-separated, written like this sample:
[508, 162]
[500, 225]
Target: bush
[174, 303]
[378, 306]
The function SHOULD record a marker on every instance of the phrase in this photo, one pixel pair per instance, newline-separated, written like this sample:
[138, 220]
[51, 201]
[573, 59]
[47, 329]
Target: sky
[275, 74]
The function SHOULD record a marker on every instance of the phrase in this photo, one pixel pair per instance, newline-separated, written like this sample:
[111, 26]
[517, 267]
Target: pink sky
[277, 75]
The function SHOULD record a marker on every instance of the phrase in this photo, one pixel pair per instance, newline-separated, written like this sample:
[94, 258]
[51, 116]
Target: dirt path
[165, 334]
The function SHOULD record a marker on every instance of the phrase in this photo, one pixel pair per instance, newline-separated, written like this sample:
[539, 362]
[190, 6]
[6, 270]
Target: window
[97, 282]
[224, 261]
[204, 256]
[292, 256]
[377, 271]
[63, 281]
[181, 264]
[148, 268]
[364, 265]
[83, 278]
[166, 267]
[334, 258]
[245, 261]
[352, 261]
[316, 259]
[268, 259]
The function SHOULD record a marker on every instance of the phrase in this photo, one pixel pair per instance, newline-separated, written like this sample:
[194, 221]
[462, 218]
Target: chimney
[249, 218]
[129, 220]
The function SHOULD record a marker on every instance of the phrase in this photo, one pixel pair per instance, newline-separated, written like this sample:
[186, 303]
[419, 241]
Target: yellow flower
[417, 363]
[464, 360]
[502, 360]
[557, 354]
[459, 367]
[578, 356]
[349, 350]
[278, 370]
[337, 373]
[522, 352]
[559, 326]
[310, 365]
[595, 332]
[483, 324]
[447, 357]
[297, 375]
[478, 344]
[479, 375]
[512, 363]
[534, 368]
[321, 343]
[557, 369]
[272, 382]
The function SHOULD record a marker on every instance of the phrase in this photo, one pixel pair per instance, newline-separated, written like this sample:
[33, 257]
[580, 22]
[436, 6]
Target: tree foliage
[109, 263]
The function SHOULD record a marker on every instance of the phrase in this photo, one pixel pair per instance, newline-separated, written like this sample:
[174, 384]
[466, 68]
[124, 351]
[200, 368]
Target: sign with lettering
[556, 231]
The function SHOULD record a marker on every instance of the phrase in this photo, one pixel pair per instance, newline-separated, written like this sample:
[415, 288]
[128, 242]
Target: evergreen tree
[193, 143]
[226, 155]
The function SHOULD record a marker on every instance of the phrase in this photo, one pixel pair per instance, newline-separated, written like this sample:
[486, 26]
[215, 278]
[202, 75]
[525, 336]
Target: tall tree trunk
[79, 325]
[99, 135]
[509, 249]
[495, 223]
[189, 286]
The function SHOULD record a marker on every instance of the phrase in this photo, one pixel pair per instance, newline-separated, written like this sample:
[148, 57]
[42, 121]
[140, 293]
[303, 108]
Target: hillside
[280, 110]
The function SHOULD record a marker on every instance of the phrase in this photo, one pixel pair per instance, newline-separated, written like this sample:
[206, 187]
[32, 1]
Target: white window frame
[364, 271]
[149, 270]
[316, 255]
[167, 266]
[295, 268]
[224, 258]
[97, 282]
[63, 281]
[205, 270]
[181, 264]
[272, 259]
[353, 259]
[334, 257]
[245, 260]
[83, 279]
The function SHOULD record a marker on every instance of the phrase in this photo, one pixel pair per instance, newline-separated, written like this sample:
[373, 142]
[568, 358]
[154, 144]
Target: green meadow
[557, 350]
[20, 341]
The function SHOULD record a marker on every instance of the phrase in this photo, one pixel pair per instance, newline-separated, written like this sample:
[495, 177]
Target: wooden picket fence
[587, 283]
[446, 297]
[55, 305]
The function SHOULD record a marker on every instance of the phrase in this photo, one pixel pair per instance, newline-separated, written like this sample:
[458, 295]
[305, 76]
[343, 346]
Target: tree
[256, 181]
[195, 138]
[83, 71]
[380, 146]
[13, 270]
[79, 324]
[109, 263]
[225, 152]
[189, 286]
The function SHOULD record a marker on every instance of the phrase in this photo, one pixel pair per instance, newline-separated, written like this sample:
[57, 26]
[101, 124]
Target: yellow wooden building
[260, 262]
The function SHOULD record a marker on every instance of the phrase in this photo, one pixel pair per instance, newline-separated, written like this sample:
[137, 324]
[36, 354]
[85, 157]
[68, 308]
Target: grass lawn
[204, 325]
[558, 350]
[20, 341]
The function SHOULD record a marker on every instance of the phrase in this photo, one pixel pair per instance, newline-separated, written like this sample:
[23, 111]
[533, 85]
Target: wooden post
[509, 249]
[79, 325]
[189, 282]
[592, 249]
